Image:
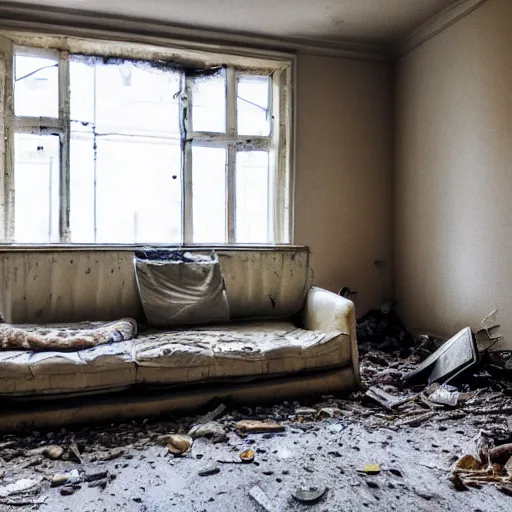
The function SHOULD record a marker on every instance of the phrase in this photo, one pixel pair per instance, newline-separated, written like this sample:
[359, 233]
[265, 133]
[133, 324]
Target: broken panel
[252, 197]
[128, 97]
[209, 194]
[209, 103]
[36, 86]
[36, 180]
[253, 105]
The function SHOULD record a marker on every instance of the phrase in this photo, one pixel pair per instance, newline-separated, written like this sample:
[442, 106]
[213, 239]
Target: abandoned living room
[254, 256]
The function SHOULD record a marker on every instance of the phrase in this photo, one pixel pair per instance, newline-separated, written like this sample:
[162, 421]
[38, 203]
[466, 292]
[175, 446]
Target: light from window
[36, 86]
[252, 105]
[209, 194]
[142, 152]
[209, 103]
[252, 186]
[36, 188]
[125, 157]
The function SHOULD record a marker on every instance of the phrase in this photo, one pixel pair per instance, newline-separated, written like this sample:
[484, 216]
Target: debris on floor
[258, 427]
[301, 437]
[179, 444]
[259, 496]
[309, 495]
[490, 465]
[451, 359]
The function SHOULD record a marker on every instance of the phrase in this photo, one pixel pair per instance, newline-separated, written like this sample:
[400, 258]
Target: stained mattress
[222, 353]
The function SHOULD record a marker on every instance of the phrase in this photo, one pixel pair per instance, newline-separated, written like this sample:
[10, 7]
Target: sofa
[285, 338]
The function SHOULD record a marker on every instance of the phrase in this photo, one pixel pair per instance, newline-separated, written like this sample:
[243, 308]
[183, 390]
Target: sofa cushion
[102, 367]
[236, 350]
[266, 283]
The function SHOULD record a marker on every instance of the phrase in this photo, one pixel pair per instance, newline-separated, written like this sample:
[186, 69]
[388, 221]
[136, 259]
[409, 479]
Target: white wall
[453, 208]
[343, 201]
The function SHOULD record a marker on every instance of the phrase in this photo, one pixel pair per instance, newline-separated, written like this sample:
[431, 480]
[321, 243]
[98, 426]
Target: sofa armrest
[326, 311]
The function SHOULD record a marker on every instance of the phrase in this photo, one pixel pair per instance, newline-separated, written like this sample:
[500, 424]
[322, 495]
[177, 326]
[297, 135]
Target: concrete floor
[415, 467]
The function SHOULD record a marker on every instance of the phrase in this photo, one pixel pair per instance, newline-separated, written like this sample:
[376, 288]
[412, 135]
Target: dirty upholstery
[177, 357]
[65, 337]
[238, 352]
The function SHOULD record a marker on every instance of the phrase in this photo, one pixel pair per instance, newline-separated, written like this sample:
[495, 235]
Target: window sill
[131, 247]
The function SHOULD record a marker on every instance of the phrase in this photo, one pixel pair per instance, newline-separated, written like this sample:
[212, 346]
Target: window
[110, 143]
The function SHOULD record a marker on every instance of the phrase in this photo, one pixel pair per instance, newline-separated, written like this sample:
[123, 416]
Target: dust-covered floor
[352, 453]
[316, 451]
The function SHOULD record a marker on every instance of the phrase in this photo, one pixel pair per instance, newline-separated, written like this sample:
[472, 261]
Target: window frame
[279, 143]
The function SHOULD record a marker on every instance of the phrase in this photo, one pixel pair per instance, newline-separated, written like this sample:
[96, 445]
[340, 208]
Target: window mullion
[231, 130]
[187, 231]
[6, 140]
[64, 204]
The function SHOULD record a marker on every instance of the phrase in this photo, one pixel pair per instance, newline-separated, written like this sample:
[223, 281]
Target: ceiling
[369, 21]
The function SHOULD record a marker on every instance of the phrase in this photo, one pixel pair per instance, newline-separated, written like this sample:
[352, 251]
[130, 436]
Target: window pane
[209, 104]
[138, 190]
[124, 97]
[81, 179]
[253, 105]
[36, 182]
[252, 191]
[209, 194]
[36, 87]
[81, 86]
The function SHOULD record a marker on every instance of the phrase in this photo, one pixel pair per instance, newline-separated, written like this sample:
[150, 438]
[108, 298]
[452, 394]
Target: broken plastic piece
[445, 395]
[309, 495]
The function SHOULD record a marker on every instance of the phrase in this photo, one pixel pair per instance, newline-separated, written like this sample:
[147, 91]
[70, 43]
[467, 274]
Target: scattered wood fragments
[414, 421]
[109, 455]
[494, 466]
[258, 427]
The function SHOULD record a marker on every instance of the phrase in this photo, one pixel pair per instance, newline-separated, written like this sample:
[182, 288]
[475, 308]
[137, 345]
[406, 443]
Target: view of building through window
[129, 138]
